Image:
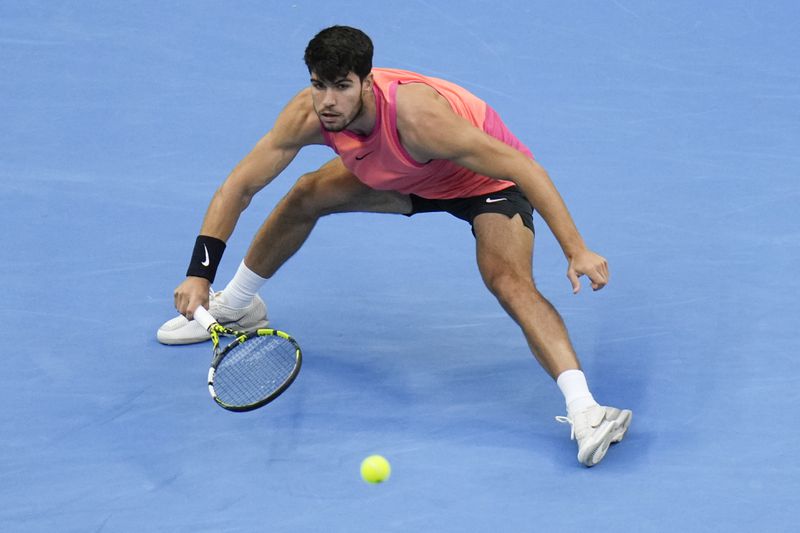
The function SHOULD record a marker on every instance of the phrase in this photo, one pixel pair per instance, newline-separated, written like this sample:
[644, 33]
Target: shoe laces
[567, 420]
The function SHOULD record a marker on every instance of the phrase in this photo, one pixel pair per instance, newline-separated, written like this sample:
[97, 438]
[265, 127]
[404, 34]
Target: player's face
[338, 102]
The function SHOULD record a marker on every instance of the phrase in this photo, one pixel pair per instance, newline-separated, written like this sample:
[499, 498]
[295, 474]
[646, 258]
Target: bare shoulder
[427, 126]
[418, 103]
[298, 124]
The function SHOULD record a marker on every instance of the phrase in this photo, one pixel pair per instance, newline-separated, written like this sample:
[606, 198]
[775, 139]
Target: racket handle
[203, 317]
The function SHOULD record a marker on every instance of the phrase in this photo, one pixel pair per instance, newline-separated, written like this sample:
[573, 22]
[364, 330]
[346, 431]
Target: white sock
[575, 390]
[243, 287]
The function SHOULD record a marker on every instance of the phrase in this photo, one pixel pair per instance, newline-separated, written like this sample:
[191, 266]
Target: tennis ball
[375, 469]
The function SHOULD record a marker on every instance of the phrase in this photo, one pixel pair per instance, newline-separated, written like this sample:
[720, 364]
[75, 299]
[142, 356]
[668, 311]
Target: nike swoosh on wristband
[493, 200]
[208, 260]
[359, 158]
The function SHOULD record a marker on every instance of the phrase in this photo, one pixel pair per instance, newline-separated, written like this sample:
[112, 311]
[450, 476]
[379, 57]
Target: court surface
[671, 129]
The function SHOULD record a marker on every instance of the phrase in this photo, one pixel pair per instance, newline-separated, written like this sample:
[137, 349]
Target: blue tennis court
[672, 131]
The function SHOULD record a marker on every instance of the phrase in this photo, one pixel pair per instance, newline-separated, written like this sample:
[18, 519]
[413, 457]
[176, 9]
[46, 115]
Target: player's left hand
[587, 263]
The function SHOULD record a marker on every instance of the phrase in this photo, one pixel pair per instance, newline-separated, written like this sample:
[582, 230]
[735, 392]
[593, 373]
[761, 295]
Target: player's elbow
[235, 196]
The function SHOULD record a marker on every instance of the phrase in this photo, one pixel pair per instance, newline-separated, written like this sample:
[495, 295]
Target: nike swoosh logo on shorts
[359, 158]
[493, 200]
[207, 261]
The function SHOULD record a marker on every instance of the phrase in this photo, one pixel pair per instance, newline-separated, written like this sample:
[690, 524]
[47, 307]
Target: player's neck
[364, 122]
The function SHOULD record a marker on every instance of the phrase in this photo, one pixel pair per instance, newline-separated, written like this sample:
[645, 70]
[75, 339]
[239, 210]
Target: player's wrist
[206, 257]
[573, 249]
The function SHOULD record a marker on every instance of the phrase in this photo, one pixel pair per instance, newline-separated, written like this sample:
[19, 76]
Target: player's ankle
[241, 290]
[573, 386]
[580, 404]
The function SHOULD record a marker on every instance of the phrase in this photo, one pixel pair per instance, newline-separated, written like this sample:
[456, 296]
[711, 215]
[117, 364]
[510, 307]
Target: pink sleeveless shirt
[380, 161]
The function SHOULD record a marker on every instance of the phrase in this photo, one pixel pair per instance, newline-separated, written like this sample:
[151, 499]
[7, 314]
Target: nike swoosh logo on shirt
[359, 158]
[493, 200]
[208, 260]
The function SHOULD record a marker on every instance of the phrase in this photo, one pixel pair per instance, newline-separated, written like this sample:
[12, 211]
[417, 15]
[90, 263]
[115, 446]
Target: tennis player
[405, 144]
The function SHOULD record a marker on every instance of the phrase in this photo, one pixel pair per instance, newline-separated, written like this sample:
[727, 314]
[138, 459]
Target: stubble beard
[355, 116]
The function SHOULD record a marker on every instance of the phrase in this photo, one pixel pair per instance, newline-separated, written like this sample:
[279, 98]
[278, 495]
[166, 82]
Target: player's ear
[366, 83]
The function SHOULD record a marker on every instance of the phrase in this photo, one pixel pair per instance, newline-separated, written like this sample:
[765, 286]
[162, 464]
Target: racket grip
[203, 317]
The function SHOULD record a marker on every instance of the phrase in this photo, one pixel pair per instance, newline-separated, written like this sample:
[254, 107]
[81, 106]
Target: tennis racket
[254, 369]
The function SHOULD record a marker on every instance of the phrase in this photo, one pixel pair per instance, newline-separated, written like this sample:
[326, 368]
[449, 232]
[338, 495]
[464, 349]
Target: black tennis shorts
[508, 202]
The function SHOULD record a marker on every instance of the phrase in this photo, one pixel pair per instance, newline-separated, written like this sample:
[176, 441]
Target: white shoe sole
[621, 423]
[593, 452]
[611, 431]
[193, 333]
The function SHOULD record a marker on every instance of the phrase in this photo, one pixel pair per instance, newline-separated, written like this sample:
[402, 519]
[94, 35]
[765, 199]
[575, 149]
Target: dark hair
[336, 51]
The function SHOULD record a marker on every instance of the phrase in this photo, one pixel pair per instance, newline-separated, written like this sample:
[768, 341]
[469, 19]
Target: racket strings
[254, 370]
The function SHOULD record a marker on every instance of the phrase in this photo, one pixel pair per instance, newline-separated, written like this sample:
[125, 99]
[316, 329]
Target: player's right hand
[191, 293]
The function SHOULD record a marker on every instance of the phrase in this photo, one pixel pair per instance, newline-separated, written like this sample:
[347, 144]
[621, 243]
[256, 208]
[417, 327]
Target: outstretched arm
[296, 126]
[430, 129]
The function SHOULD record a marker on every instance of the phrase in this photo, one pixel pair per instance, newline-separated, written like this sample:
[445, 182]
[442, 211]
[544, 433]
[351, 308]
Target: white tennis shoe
[179, 330]
[596, 428]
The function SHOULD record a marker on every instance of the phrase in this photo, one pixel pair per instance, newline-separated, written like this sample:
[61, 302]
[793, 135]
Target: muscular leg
[331, 189]
[505, 251]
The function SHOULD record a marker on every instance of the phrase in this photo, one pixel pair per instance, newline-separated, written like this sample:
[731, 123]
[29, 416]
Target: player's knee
[507, 286]
[305, 197]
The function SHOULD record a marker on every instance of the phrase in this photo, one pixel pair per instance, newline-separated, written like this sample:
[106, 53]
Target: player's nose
[328, 98]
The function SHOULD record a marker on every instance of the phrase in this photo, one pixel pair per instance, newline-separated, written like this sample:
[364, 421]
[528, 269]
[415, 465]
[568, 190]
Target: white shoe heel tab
[203, 317]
